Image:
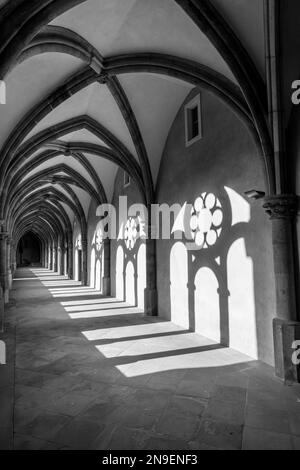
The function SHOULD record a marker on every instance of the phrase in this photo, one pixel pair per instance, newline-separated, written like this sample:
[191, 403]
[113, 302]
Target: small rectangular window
[193, 124]
[126, 179]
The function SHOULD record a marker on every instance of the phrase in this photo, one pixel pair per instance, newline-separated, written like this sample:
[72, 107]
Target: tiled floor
[85, 372]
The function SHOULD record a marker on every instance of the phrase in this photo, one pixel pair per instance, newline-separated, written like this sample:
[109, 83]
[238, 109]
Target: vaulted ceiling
[99, 87]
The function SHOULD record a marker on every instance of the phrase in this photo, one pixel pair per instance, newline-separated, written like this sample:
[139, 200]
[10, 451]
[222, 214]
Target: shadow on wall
[78, 258]
[129, 266]
[212, 280]
[131, 273]
[97, 255]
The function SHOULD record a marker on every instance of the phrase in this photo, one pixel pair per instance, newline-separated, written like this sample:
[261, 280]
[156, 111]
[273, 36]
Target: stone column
[8, 257]
[66, 260]
[282, 210]
[70, 256]
[84, 261]
[46, 258]
[13, 257]
[151, 289]
[43, 254]
[62, 260]
[55, 258]
[51, 257]
[106, 285]
[3, 266]
[59, 259]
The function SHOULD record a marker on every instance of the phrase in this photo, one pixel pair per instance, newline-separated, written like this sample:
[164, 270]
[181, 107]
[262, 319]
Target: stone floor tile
[43, 425]
[220, 435]
[163, 443]
[197, 388]
[261, 439]
[268, 419]
[230, 394]
[181, 418]
[123, 438]
[227, 412]
[23, 442]
[78, 434]
[266, 399]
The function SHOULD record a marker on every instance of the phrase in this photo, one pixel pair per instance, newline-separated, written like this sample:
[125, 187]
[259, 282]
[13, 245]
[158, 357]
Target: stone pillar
[44, 260]
[51, 257]
[55, 258]
[46, 257]
[106, 282]
[66, 260]
[282, 210]
[151, 289]
[3, 266]
[84, 262]
[62, 260]
[49, 254]
[42, 254]
[70, 256]
[59, 259]
[13, 257]
[8, 257]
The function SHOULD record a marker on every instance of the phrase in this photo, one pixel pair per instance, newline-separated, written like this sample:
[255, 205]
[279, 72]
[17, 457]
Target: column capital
[3, 235]
[281, 206]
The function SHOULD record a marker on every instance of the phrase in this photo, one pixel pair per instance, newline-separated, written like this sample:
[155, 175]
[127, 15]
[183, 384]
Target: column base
[150, 298]
[285, 334]
[106, 286]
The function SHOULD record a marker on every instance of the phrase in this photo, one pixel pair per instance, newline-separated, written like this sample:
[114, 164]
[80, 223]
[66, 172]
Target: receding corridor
[94, 373]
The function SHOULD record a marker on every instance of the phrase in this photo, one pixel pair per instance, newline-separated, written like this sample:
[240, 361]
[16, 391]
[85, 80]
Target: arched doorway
[29, 250]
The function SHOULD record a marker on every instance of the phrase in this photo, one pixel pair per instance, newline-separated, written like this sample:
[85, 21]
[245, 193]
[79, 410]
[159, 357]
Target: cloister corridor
[89, 372]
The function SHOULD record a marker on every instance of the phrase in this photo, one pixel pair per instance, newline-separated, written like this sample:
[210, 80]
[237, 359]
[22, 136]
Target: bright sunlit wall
[224, 289]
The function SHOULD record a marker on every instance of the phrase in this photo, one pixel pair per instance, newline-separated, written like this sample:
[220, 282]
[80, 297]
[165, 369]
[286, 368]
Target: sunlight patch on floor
[106, 313]
[96, 306]
[187, 343]
[198, 360]
[122, 332]
[105, 300]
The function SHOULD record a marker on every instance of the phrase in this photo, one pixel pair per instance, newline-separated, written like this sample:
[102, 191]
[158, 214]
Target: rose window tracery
[206, 220]
[131, 232]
